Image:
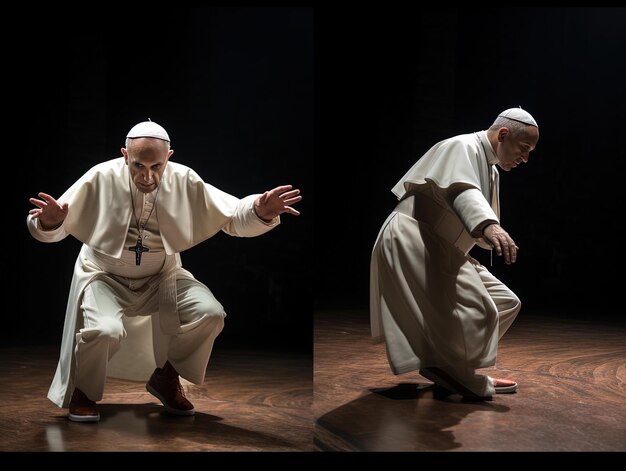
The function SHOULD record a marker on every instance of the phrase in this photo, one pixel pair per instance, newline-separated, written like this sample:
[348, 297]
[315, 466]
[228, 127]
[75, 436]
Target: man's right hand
[50, 213]
[502, 242]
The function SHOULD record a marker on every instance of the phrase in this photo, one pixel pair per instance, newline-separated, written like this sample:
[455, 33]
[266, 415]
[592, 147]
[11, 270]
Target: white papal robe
[100, 215]
[432, 303]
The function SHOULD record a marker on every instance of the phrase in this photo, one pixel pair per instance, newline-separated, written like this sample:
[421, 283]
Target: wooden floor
[250, 401]
[571, 397]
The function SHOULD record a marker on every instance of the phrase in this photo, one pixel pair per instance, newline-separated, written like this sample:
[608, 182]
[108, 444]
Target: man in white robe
[437, 309]
[133, 311]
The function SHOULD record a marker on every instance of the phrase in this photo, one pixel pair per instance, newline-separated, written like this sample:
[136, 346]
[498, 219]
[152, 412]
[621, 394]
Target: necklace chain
[140, 229]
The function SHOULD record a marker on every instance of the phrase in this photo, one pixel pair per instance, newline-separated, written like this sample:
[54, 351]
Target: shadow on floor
[406, 417]
[139, 426]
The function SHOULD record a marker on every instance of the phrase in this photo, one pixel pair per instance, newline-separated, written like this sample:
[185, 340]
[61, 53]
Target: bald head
[513, 135]
[146, 158]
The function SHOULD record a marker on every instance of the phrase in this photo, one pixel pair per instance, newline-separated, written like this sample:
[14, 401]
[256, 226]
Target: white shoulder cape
[448, 170]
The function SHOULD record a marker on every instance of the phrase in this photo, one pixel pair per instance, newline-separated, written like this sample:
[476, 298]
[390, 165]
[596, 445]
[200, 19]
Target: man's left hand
[502, 242]
[275, 202]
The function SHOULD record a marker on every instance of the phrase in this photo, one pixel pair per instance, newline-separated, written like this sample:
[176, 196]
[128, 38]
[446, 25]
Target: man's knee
[206, 311]
[111, 328]
[508, 312]
[516, 303]
[210, 308]
[108, 328]
[213, 318]
[511, 307]
[208, 320]
[217, 320]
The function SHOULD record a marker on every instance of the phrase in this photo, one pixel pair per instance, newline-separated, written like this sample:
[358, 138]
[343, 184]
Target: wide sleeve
[54, 235]
[99, 209]
[474, 211]
[190, 211]
[245, 222]
[61, 232]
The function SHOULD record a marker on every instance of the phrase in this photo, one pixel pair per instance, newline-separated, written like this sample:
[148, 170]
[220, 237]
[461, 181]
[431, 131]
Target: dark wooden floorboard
[571, 397]
[250, 401]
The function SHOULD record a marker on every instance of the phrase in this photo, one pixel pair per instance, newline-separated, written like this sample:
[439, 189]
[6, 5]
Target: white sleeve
[474, 211]
[55, 235]
[246, 223]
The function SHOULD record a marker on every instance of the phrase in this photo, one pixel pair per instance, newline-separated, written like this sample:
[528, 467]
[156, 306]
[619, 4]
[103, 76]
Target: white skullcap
[518, 114]
[148, 129]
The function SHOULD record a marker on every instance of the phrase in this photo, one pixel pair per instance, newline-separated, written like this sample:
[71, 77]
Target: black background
[396, 82]
[234, 88]
[340, 102]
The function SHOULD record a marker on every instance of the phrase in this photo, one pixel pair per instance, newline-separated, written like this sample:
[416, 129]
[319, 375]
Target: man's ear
[502, 133]
[125, 154]
[169, 153]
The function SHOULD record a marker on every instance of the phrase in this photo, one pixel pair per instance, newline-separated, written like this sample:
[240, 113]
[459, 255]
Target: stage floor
[250, 401]
[571, 396]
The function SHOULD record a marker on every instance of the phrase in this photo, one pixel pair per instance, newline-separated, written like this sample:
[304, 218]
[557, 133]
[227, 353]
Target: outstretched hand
[502, 242]
[50, 213]
[274, 202]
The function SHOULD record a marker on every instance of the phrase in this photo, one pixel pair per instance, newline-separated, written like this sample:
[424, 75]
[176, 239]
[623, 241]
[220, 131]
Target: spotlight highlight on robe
[148, 129]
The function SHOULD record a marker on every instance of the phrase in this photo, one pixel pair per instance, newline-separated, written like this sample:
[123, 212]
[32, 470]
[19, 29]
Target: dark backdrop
[234, 88]
[395, 82]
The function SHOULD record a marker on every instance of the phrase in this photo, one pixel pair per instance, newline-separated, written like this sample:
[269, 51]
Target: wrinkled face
[146, 158]
[514, 150]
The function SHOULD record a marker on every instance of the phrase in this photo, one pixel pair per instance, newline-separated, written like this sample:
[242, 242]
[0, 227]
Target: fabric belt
[444, 223]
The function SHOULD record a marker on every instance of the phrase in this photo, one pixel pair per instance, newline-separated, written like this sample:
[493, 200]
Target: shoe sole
[443, 379]
[506, 389]
[84, 418]
[169, 409]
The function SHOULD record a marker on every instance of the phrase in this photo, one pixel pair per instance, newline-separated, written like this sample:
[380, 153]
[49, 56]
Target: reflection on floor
[572, 393]
[250, 401]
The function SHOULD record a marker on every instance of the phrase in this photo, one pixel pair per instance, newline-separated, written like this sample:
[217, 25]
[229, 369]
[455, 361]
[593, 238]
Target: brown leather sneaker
[83, 409]
[165, 386]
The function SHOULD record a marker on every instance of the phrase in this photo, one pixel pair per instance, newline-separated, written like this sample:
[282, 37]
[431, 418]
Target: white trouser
[434, 305]
[507, 303]
[508, 306]
[201, 318]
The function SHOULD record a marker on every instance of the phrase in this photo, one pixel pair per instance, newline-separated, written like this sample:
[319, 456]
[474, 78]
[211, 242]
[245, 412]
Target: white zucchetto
[518, 114]
[148, 129]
